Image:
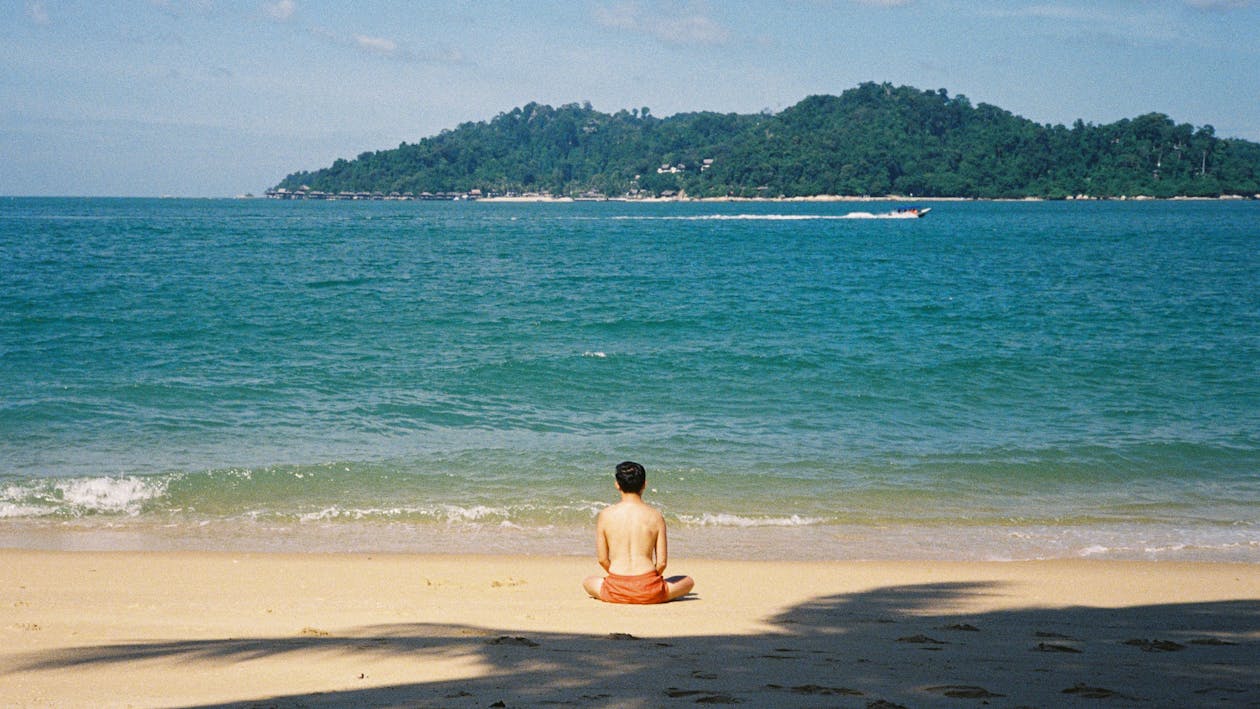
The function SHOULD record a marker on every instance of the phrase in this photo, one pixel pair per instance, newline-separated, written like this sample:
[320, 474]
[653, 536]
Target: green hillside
[874, 140]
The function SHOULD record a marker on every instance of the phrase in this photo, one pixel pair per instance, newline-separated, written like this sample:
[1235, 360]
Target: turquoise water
[995, 380]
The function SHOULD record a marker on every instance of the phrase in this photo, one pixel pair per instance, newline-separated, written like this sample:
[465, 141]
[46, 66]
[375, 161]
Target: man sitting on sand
[630, 544]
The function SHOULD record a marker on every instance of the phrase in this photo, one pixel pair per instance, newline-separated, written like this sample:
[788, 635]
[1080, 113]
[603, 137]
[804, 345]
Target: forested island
[875, 140]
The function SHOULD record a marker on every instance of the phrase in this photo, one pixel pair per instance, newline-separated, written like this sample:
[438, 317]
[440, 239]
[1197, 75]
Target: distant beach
[824, 198]
[546, 198]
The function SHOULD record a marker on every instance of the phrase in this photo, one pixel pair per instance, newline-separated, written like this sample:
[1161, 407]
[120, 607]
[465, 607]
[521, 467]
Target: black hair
[631, 477]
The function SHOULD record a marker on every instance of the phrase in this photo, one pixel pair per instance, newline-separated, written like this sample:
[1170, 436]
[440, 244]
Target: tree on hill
[875, 139]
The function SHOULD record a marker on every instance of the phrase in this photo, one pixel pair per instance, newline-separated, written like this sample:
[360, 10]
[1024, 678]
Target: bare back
[630, 538]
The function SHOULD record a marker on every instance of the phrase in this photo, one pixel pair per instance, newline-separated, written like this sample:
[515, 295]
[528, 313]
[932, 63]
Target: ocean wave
[340, 492]
[441, 513]
[1191, 548]
[76, 497]
[730, 520]
[9, 510]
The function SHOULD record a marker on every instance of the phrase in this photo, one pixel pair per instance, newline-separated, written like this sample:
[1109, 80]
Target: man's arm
[601, 543]
[662, 547]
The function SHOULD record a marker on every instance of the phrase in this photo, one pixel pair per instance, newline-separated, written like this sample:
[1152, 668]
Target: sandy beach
[226, 629]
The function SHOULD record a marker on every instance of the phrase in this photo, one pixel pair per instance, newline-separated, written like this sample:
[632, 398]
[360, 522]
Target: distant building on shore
[308, 193]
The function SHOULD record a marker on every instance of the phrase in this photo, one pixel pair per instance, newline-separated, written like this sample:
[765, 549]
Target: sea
[802, 380]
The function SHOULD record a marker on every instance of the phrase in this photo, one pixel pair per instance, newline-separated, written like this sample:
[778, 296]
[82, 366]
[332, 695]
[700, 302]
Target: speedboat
[909, 213]
[904, 213]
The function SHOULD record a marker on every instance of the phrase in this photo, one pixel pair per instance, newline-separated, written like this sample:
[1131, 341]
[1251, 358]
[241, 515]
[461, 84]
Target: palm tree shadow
[903, 645]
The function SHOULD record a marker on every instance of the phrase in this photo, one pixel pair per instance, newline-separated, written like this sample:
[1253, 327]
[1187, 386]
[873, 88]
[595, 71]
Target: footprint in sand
[1220, 690]
[512, 640]
[1053, 647]
[818, 689]
[921, 640]
[511, 581]
[707, 698]
[1083, 690]
[1211, 641]
[963, 691]
[779, 654]
[1155, 645]
[1052, 636]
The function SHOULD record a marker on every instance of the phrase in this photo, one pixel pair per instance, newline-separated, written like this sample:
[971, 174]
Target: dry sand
[222, 629]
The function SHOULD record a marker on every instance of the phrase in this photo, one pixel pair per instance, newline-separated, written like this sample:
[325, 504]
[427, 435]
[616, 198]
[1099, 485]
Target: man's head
[631, 477]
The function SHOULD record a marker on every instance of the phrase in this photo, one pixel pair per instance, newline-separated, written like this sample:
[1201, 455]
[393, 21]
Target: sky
[212, 98]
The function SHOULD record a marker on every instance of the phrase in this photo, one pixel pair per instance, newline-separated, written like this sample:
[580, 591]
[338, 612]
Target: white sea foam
[767, 217]
[456, 513]
[730, 520]
[125, 494]
[1194, 546]
[733, 217]
[80, 496]
[444, 513]
[11, 510]
[334, 512]
[358, 513]
[599, 355]
[14, 494]
[871, 215]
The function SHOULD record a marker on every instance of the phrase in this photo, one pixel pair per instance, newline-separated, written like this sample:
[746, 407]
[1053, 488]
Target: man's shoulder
[648, 512]
[616, 509]
[630, 509]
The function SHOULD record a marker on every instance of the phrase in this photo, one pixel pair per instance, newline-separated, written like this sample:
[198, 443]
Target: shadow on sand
[887, 647]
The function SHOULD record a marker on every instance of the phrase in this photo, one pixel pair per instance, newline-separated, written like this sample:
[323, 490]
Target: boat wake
[911, 213]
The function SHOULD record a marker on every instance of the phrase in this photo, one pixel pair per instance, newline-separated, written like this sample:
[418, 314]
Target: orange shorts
[643, 588]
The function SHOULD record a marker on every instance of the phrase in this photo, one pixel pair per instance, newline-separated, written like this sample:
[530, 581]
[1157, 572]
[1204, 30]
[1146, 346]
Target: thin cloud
[286, 12]
[388, 48]
[1220, 5]
[1063, 12]
[281, 11]
[667, 25]
[1122, 25]
[37, 12]
[380, 45]
[183, 8]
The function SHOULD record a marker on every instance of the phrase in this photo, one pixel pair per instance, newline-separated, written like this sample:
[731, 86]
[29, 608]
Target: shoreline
[923, 543]
[684, 199]
[548, 199]
[233, 629]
